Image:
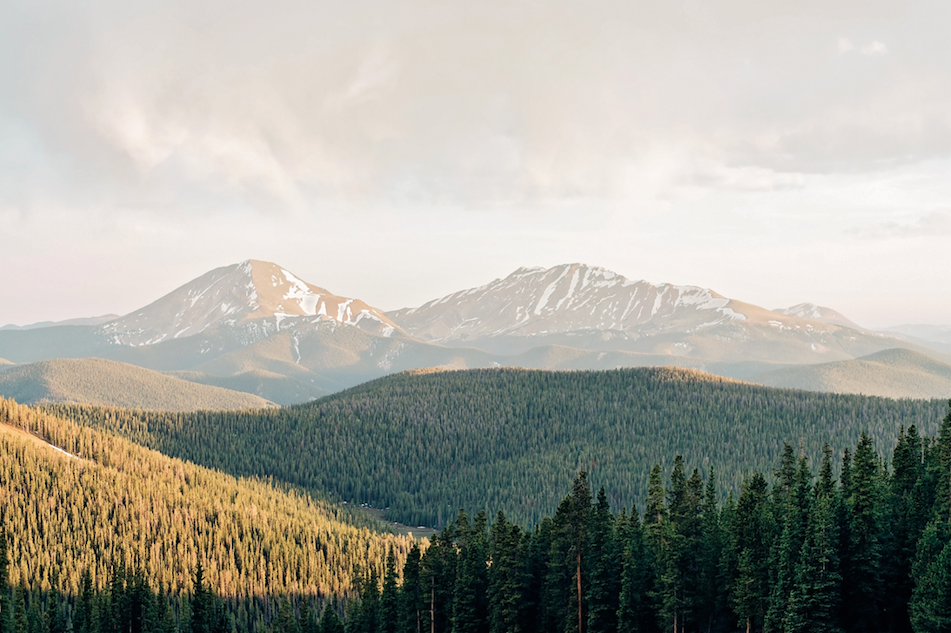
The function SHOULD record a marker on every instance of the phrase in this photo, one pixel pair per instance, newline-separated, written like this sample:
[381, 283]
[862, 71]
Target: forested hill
[425, 444]
[75, 500]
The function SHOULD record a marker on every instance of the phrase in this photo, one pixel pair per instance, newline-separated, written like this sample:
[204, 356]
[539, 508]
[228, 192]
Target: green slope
[892, 373]
[426, 443]
[268, 385]
[98, 381]
[76, 498]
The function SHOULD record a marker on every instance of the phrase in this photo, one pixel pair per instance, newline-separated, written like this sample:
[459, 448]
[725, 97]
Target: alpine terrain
[257, 327]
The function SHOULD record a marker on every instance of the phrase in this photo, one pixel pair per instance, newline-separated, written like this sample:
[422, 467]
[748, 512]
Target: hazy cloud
[176, 135]
[934, 224]
[495, 102]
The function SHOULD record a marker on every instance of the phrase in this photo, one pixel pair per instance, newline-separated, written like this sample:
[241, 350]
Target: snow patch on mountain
[249, 291]
[567, 298]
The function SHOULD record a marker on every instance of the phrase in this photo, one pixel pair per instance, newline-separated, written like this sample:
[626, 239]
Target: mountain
[822, 314]
[77, 499]
[592, 308]
[258, 327]
[268, 385]
[931, 333]
[247, 297]
[81, 321]
[425, 443]
[891, 373]
[98, 381]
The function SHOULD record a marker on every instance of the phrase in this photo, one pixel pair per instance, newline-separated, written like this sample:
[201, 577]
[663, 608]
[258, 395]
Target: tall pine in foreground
[930, 606]
[862, 584]
[813, 605]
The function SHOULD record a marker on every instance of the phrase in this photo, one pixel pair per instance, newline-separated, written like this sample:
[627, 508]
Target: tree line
[800, 549]
[422, 446]
[78, 506]
[869, 550]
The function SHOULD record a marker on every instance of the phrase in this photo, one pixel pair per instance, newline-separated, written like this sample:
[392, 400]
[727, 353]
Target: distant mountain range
[256, 327]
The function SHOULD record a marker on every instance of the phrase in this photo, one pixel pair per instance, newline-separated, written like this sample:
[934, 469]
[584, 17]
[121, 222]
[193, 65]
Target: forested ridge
[75, 500]
[797, 550]
[424, 444]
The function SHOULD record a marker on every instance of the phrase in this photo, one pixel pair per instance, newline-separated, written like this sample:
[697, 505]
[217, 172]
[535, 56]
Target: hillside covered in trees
[75, 500]
[799, 550]
[425, 444]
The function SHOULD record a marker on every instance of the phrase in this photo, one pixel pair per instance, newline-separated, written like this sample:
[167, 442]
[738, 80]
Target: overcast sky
[776, 152]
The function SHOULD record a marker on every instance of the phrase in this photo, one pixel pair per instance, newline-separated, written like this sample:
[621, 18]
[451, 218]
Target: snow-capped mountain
[254, 295]
[571, 298]
[595, 309]
[819, 313]
[257, 327]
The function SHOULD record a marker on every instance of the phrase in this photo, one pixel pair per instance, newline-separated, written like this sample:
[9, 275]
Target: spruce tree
[202, 603]
[308, 623]
[411, 594]
[19, 617]
[506, 591]
[604, 573]
[930, 606]
[285, 622]
[389, 598]
[816, 590]
[330, 621]
[635, 612]
[750, 546]
[862, 584]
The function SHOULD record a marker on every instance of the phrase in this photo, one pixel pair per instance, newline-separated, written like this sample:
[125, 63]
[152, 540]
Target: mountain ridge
[290, 339]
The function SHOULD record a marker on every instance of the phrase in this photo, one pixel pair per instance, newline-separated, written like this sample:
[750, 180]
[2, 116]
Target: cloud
[874, 48]
[933, 224]
[300, 104]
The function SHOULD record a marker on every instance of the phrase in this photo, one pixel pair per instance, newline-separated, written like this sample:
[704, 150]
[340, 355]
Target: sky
[777, 152]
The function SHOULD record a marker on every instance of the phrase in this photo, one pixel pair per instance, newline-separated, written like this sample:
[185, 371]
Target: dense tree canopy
[423, 445]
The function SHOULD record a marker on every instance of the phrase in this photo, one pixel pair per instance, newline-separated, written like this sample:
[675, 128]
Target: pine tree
[437, 579]
[930, 606]
[389, 598]
[411, 594]
[635, 612]
[506, 591]
[470, 604]
[330, 621]
[202, 604]
[308, 623]
[791, 510]
[749, 586]
[815, 596]
[710, 599]
[604, 570]
[285, 621]
[82, 620]
[19, 618]
[576, 532]
[863, 591]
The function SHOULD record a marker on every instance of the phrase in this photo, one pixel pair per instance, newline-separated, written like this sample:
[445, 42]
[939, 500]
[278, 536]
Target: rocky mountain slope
[257, 327]
[253, 297]
[596, 309]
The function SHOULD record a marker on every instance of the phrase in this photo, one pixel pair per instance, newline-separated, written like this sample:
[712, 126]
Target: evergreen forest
[422, 445]
[797, 550]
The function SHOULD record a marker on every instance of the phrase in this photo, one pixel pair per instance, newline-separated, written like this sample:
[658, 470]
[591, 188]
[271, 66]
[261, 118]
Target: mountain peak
[819, 313]
[232, 295]
[562, 299]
